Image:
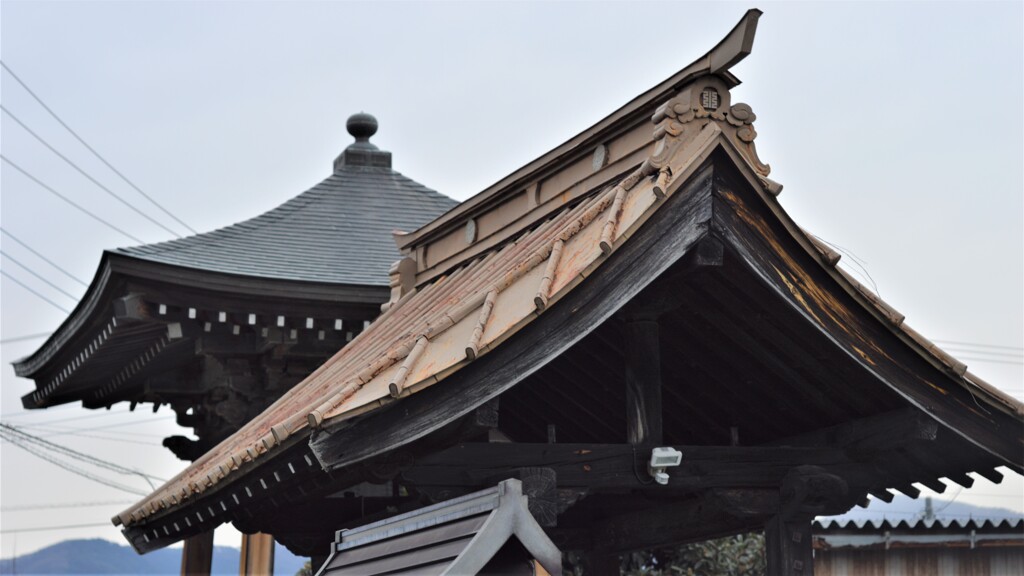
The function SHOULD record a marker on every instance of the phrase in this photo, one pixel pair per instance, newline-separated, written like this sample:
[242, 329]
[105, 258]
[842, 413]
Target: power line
[977, 345]
[74, 469]
[39, 276]
[68, 200]
[17, 436]
[43, 258]
[117, 425]
[51, 410]
[1010, 362]
[25, 337]
[65, 505]
[94, 436]
[90, 148]
[83, 173]
[26, 287]
[46, 528]
[1013, 355]
[101, 414]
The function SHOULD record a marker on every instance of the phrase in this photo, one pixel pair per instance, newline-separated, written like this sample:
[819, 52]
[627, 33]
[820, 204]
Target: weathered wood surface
[666, 238]
[197, 555]
[781, 264]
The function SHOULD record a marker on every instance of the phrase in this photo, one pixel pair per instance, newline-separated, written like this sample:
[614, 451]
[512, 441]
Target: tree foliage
[741, 555]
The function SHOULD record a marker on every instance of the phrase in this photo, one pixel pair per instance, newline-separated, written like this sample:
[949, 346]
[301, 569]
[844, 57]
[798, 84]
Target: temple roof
[453, 340]
[338, 231]
[329, 246]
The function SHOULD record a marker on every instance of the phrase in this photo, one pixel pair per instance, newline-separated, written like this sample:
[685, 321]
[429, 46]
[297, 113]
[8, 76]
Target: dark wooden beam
[806, 492]
[869, 436]
[620, 466]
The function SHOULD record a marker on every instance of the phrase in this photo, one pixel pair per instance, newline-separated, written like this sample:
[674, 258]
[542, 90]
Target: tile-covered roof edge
[115, 266]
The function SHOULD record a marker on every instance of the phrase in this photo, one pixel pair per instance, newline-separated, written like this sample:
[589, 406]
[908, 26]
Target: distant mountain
[909, 509]
[96, 556]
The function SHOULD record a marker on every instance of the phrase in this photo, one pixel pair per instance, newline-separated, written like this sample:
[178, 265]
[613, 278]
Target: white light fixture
[661, 458]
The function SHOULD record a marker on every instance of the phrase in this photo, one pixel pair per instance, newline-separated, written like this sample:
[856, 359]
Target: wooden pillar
[197, 555]
[805, 492]
[643, 381]
[788, 547]
[257, 557]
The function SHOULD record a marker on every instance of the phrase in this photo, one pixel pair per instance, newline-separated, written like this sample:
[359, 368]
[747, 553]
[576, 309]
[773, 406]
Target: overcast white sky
[896, 129]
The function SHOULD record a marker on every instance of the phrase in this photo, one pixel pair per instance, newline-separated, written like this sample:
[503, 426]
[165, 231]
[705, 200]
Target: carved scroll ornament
[706, 100]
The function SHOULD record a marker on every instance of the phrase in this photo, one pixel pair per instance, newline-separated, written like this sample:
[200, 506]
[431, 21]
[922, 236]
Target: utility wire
[1014, 355]
[39, 276]
[117, 425]
[1011, 362]
[101, 414]
[1017, 349]
[52, 410]
[47, 431]
[48, 528]
[43, 258]
[83, 173]
[20, 438]
[68, 200]
[74, 469]
[65, 505]
[27, 287]
[90, 148]
[25, 337]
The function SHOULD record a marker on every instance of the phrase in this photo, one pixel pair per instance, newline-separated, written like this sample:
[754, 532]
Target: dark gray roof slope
[339, 231]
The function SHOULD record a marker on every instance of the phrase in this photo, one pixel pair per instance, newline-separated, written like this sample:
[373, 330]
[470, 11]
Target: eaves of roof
[442, 327]
[116, 268]
[432, 333]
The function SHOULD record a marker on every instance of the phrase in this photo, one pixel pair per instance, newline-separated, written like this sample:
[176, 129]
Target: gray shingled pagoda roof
[339, 231]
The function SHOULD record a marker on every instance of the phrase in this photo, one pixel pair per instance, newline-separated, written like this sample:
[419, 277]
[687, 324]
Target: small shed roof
[459, 536]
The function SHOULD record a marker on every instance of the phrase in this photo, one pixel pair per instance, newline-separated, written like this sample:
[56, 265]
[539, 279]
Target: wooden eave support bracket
[806, 492]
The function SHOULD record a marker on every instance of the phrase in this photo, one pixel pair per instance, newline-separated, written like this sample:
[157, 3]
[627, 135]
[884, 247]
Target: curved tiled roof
[338, 231]
[438, 329]
[470, 310]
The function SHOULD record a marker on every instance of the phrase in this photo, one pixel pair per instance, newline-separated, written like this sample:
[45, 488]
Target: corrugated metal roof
[921, 524]
[338, 231]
